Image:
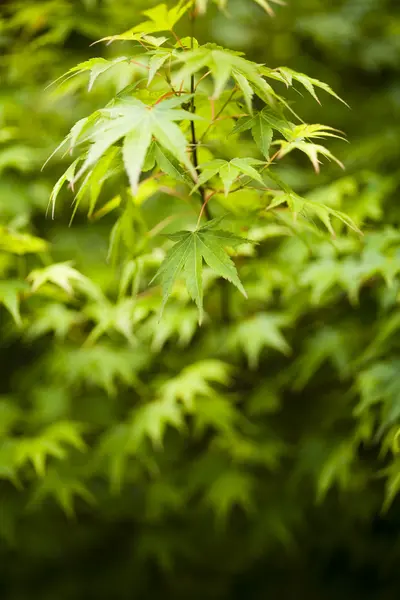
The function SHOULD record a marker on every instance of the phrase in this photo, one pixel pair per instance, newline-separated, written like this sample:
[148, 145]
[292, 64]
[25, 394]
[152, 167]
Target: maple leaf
[178, 321]
[138, 124]
[55, 318]
[51, 442]
[112, 317]
[194, 381]
[262, 125]
[160, 18]
[225, 64]
[231, 488]
[10, 292]
[187, 255]
[62, 275]
[15, 242]
[98, 366]
[152, 419]
[308, 208]
[95, 66]
[258, 332]
[63, 488]
[308, 82]
[228, 171]
[327, 344]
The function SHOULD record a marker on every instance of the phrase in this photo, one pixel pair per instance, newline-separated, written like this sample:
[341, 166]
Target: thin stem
[195, 155]
[204, 207]
[177, 39]
[221, 110]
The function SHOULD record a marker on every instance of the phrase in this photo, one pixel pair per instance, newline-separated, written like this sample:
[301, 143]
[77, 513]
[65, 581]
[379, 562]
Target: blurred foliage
[258, 454]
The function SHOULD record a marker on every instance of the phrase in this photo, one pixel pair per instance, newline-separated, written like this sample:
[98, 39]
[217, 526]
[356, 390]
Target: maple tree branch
[204, 200]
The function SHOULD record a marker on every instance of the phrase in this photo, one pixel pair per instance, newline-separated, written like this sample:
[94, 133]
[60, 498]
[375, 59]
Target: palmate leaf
[10, 293]
[307, 208]
[228, 171]
[311, 150]
[95, 66]
[64, 489]
[231, 488]
[160, 18]
[63, 275]
[95, 179]
[52, 442]
[15, 242]
[194, 381]
[137, 123]
[308, 82]
[206, 243]
[223, 65]
[298, 138]
[152, 420]
[55, 318]
[262, 125]
[261, 331]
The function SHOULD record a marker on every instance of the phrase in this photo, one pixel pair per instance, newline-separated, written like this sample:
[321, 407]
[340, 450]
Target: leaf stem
[221, 110]
[204, 207]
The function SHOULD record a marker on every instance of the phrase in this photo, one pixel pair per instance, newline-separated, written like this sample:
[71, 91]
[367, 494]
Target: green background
[284, 482]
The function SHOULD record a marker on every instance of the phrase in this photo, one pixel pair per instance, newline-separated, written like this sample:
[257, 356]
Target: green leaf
[311, 150]
[160, 18]
[152, 419]
[170, 166]
[245, 88]
[137, 123]
[258, 332]
[262, 134]
[308, 82]
[51, 443]
[266, 5]
[193, 272]
[194, 382]
[231, 488]
[201, 5]
[96, 67]
[228, 172]
[187, 255]
[245, 166]
[15, 242]
[156, 62]
[95, 179]
[10, 292]
[337, 468]
[134, 151]
[63, 488]
[55, 318]
[224, 64]
[63, 275]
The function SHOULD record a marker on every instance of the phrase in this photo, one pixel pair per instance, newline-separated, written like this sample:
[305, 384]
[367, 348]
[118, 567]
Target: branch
[204, 207]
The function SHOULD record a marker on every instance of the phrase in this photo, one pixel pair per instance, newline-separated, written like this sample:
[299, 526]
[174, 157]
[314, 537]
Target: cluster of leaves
[208, 445]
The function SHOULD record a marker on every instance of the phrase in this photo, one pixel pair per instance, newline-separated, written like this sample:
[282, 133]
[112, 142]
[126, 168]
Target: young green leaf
[134, 151]
[10, 292]
[18, 243]
[228, 172]
[187, 256]
[308, 82]
[160, 18]
[137, 123]
[224, 64]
